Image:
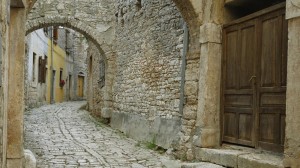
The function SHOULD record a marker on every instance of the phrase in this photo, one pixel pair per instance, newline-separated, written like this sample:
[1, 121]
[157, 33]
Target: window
[42, 70]
[45, 31]
[33, 66]
[139, 4]
[61, 81]
[55, 35]
[102, 74]
[61, 74]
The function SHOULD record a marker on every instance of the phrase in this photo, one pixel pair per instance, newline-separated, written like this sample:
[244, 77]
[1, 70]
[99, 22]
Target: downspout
[183, 66]
[51, 70]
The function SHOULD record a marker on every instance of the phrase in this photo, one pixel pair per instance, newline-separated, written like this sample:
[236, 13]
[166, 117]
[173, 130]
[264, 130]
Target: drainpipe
[51, 70]
[183, 66]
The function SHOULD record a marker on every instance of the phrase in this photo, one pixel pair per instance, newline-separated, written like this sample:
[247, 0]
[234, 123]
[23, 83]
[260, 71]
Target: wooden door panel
[284, 52]
[246, 127]
[271, 99]
[230, 126]
[239, 67]
[238, 125]
[247, 56]
[282, 129]
[268, 123]
[238, 100]
[272, 87]
[269, 51]
[231, 53]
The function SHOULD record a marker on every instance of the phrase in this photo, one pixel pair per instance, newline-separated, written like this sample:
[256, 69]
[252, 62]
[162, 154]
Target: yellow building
[58, 74]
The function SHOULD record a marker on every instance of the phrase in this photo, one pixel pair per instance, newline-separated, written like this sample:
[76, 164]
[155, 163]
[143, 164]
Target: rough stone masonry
[146, 91]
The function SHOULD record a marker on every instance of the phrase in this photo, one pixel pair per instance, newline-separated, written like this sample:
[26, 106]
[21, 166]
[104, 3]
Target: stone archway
[203, 17]
[99, 33]
[200, 17]
[79, 26]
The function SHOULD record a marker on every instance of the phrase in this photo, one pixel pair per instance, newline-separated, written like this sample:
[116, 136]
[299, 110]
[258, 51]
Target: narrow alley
[63, 135]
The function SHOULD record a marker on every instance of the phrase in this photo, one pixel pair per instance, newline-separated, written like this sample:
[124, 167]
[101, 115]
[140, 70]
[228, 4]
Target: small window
[102, 74]
[42, 70]
[46, 31]
[55, 35]
[139, 4]
[61, 74]
[33, 66]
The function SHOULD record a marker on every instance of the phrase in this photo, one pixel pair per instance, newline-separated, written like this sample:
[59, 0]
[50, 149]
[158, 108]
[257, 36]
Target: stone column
[15, 109]
[292, 137]
[207, 133]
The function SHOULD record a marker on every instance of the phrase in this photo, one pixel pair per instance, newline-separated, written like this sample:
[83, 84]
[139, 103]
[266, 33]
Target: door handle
[252, 77]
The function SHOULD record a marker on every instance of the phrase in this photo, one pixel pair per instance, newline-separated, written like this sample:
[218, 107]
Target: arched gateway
[201, 126]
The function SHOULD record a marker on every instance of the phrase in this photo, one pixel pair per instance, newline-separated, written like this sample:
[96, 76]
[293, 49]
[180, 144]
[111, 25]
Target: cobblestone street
[61, 135]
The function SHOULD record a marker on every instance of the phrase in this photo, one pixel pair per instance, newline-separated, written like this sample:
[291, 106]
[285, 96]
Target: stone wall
[148, 79]
[80, 63]
[96, 91]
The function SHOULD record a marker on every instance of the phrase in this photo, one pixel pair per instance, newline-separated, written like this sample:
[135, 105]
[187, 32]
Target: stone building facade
[80, 49]
[37, 46]
[200, 131]
[69, 62]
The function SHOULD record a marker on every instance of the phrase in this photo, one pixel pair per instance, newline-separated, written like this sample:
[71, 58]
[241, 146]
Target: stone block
[106, 112]
[259, 161]
[190, 112]
[30, 161]
[200, 165]
[14, 163]
[210, 32]
[207, 138]
[163, 132]
[191, 88]
[228, 158]
[239, 158]
[292, 9]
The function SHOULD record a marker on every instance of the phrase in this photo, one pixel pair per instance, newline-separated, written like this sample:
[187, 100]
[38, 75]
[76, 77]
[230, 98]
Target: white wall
[37, 43]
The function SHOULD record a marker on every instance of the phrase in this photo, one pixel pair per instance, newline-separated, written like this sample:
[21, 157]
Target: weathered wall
[147, 84]
[80, 64]
[95, 101]
[16, 87]
[292, 139]
[37, 43]
[4, 44]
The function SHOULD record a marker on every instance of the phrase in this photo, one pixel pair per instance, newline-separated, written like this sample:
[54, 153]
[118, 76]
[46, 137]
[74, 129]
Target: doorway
[70, 87]
[80, 86]
[254, 70]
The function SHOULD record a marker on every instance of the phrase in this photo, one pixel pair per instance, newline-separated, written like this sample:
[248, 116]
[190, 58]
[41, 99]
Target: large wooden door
[254, 80]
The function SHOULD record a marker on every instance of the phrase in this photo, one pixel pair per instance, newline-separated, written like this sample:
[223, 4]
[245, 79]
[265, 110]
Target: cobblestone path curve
[63, 136]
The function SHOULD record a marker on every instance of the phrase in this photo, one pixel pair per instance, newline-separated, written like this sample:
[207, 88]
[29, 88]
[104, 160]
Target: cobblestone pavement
[62, 136]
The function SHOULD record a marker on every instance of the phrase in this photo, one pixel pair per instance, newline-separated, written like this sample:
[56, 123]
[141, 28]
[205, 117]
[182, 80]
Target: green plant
[150, 145]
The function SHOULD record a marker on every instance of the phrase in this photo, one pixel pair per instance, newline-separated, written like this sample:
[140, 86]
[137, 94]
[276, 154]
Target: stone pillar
[208, 127]
[292, 138]
[207, 133]
[15, 109]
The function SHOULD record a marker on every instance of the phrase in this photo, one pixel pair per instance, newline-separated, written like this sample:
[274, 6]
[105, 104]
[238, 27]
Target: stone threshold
[240, 157]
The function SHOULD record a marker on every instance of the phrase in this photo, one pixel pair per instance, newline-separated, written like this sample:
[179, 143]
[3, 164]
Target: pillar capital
[292, 9]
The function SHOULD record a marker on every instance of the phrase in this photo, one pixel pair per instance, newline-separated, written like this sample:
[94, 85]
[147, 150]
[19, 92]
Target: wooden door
[80, 86]
[254, 80]
[239, 89]
[272, 73]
